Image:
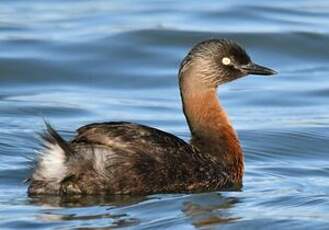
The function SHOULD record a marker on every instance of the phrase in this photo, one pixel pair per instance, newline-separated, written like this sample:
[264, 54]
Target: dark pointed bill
[257, 69]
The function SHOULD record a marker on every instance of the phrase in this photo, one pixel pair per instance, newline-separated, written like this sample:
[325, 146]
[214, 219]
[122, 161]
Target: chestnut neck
[211, 129]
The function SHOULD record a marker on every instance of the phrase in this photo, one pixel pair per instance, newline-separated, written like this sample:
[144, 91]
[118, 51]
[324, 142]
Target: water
[75, 62]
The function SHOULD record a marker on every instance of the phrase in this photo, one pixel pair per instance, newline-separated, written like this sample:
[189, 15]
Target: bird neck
[211, 129]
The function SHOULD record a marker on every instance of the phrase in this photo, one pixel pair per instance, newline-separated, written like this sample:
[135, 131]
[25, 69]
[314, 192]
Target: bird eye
[226, 61]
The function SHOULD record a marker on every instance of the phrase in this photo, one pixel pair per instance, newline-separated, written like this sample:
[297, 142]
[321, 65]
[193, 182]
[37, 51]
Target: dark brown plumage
[128, 158]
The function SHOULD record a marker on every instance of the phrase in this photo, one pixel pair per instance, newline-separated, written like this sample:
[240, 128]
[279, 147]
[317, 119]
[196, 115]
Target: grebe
[127, 158]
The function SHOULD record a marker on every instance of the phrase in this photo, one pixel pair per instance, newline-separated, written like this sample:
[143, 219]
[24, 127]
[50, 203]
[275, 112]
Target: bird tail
[50, 167]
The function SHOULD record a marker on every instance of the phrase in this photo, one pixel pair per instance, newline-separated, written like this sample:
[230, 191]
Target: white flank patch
[51, 166]
[99, 160]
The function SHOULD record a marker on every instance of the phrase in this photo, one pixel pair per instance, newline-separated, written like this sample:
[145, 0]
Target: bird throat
[211, 129]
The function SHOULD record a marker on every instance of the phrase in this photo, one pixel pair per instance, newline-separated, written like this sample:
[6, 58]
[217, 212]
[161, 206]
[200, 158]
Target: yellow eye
[226, 61]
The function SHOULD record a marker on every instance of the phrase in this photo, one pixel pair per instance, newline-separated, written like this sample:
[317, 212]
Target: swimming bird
[128, 158]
